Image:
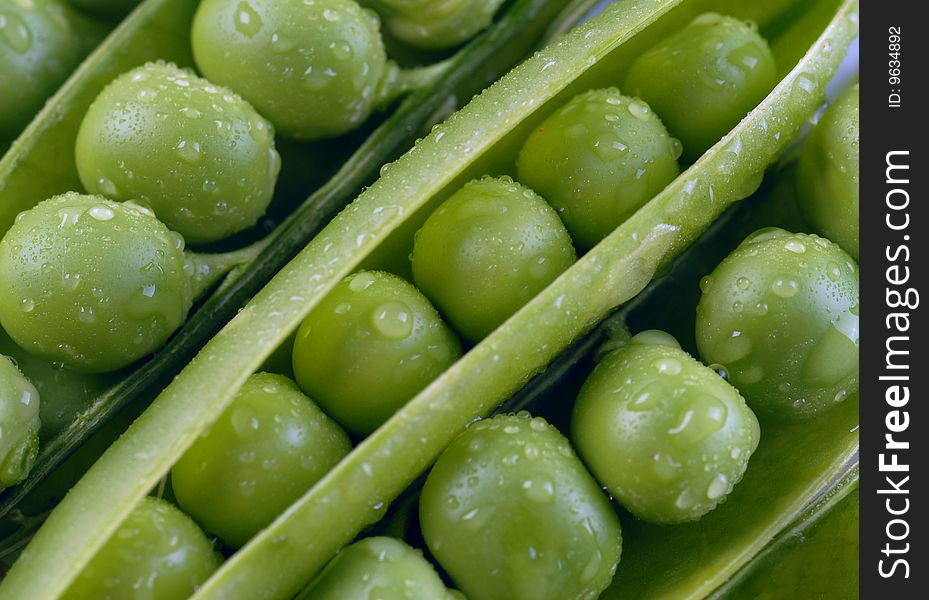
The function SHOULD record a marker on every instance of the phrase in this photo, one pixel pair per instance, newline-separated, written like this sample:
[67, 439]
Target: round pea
[91, 283]
[371, 345]
[40, 42]
[510, 512]
[158, 553]
[827, 174]
[198, 154]
[379, 567]
[19, 424]
[597, 160]
[269, 447]
[667, 436]
[781, 315]
[314, 68]
[436, 25]
[703, 79]
[486, 251]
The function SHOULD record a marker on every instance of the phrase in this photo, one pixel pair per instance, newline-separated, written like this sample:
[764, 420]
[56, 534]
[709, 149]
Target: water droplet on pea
[27, 305]
[247, 21]
[718, 487]
[785, 288]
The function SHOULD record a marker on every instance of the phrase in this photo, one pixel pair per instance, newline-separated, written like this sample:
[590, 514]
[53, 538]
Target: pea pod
[283, 557]
[149, 33]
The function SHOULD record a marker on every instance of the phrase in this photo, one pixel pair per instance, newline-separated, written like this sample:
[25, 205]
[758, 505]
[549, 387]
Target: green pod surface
[282, 558]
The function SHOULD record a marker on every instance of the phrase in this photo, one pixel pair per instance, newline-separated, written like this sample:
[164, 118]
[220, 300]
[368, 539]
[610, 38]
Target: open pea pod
[282, 558]
[158, 29]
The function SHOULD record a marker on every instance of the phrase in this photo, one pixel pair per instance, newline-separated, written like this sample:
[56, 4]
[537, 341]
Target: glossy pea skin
[197, 153]
[703, 79]
[40, 42]
[19, 424]
[313, 68]
[486, 251]
[510, 512]
[597, 160]
[379, 567]
[666, 435]
[827, 174]
[157, 553]
[91, 283]
[371, 345]
[435, 25]
[269, 447]
[780, 314]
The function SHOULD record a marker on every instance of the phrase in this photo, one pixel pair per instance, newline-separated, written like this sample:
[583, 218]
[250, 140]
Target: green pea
[510, 512]
[91, 283]
[597, 160]
[780, 314]
[19, 424]
[269, 447]
[486, 251]
[436, 25]
[379, 567]
[827, 174]
[198, 154]
[667, 436]
[157, 553]
[371, 345]
[703, 79]
[40, 42]
[313, 68]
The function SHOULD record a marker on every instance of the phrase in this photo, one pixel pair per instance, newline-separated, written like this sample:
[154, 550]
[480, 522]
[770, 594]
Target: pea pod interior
[478, 139]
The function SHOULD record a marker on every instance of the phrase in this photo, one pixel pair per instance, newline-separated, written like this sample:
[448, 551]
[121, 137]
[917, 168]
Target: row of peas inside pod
[509, 509]
[94, 282]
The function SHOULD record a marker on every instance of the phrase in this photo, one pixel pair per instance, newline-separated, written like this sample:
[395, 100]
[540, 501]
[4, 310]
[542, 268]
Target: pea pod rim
[241, 321]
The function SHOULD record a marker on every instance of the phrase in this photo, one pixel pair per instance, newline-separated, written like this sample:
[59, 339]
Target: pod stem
[206, 270]
[398, 82]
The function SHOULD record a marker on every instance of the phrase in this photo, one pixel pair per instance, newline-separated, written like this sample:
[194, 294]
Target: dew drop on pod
[666, 435]
[19, 424]
[781, 315]
[196, 153]
[510, 512]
